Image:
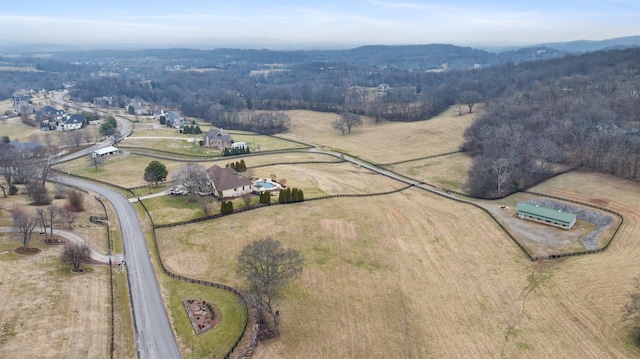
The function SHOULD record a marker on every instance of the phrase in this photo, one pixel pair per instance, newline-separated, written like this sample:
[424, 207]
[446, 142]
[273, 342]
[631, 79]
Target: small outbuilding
[545, 215]
[103, 152]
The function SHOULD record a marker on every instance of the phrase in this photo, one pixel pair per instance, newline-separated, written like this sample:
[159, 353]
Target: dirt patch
[27, 252]
[203, 314]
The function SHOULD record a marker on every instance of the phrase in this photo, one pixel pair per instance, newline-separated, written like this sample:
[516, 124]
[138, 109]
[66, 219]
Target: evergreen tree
[233, 165]
[289, 195]
[294, 195]
[282, 197]
[197, 130]
[300, 195]
[243, 166]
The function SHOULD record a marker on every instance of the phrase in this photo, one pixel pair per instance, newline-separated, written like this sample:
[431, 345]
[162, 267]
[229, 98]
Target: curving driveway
[72, 237]
[154, 336]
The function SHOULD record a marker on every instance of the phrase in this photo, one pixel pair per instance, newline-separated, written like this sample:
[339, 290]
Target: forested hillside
[558, 114]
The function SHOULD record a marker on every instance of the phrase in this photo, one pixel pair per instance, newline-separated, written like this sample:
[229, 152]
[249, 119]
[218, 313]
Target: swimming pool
[264, 184]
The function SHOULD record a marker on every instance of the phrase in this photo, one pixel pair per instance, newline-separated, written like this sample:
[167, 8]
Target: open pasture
[16, 130]
[448, 172]
[385, 141]
[416, 275]
[48, 312]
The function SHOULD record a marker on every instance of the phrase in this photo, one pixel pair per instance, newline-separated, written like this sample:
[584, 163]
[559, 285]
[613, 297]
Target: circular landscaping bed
[204, 315]
[27, 252]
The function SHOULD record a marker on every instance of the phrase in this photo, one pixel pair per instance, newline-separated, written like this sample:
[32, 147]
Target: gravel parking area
[600, 220]
[543, 240]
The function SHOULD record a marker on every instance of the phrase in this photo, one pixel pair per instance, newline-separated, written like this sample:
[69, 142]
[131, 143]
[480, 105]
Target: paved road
[124, 128]
[154, 336]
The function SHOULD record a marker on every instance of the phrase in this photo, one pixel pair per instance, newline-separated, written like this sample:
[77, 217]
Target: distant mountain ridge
[426, 57]
[580, 46]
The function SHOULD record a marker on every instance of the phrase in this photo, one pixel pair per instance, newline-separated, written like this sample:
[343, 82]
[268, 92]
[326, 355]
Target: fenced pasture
[385, 141]
[122, 170]
[449, 171]
[408, 274]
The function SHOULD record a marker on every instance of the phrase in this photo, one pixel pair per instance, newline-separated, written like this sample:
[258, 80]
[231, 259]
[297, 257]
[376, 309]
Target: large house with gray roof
[218, 138]
[228, 183]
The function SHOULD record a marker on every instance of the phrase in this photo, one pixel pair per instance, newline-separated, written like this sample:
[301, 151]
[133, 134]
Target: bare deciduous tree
[23, 223]
[268, 267]
[76, 137]
[207, 208]
[194, 178]
[502, 169]
[96, 162]
[246, 198]
[75, 201]
[69, 218]
[351, 120]
[76, 254]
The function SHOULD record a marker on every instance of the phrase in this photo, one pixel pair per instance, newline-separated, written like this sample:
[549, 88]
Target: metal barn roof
[546, 213]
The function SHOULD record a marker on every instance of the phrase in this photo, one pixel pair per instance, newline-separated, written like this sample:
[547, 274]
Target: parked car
[177, 191]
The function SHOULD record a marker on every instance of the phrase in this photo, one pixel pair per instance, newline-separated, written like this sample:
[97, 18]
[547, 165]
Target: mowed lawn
[415, 275]
[383, 142]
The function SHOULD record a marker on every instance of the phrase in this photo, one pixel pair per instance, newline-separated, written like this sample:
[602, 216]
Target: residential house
[227, 182]
[104, 101]
[172, 119]
[217, 138]
[48, 117]
[72, 122]
[137, 108]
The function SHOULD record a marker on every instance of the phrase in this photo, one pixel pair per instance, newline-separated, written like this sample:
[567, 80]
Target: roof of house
[227, 178]
[546, 213]
[51, 110]
[74, 118]
[137, 105]
[171, 116]
[219, 134]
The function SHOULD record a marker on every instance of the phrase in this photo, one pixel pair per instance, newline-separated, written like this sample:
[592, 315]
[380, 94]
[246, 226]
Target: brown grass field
[47, 312]
[445, 172]
[383, 142]
[415, 275]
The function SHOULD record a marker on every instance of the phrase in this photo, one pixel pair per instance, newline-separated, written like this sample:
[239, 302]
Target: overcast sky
[313, 23]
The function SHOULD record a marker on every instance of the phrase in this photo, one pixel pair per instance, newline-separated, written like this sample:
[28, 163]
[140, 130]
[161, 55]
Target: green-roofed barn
[546, 215]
